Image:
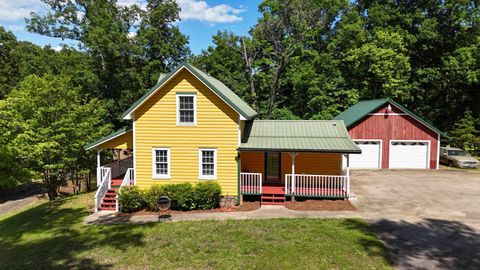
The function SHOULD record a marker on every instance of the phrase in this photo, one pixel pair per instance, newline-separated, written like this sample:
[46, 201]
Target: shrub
[152, 195]
[184, 197]
[181, 196]
[130, 199]
[207, 195]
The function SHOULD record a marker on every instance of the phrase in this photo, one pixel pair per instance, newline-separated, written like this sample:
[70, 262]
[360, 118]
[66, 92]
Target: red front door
[272, 167]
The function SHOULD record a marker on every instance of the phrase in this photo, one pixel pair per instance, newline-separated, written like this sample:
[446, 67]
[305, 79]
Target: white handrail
[250, 183]
[313, 185]
[106, 175]
[127, 181]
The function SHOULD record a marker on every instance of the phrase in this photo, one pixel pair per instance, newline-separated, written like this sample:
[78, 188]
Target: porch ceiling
[298, 135]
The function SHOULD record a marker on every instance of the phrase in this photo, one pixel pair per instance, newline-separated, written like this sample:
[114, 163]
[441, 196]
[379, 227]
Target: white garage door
[408, 155]
[370, 157]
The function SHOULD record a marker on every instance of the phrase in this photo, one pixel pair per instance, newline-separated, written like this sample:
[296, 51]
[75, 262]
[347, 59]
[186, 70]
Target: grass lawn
[52, 236]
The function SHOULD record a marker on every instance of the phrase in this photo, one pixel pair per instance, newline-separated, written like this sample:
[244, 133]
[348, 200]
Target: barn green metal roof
[215, 85]
[328, 136]
[358, 111]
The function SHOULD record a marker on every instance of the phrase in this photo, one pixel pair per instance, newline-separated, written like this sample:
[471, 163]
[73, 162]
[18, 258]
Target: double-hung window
[161, 163]
[186, 109]
[207, 165]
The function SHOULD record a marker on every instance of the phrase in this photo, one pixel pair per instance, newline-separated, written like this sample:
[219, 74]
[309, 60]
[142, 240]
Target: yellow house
[190, 127]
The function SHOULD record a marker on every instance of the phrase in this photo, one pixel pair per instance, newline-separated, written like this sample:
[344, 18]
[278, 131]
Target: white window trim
[154, 171]
[200, 171]
[194, 109]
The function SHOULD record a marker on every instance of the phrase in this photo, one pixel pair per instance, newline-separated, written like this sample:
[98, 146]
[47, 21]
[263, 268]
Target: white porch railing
[250, 183]
[101, 172]
[309, 185]
[127, 181]
[105, 184]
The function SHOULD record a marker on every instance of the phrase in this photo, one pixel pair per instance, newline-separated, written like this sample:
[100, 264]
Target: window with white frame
[161, 163]
[186, 109]
[207, 164]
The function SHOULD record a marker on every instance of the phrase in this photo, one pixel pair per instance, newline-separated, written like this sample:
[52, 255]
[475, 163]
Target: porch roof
[117, 135]
[327, 136]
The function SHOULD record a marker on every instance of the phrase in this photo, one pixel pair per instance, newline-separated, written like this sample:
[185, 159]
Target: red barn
[391, 136]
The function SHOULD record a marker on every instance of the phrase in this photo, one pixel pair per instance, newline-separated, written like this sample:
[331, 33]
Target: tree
[12, 168]
[379, 68]
[163, 45]
[55, 123]
[465, 134]
[126, 64]
[224, 62]
[9, 68]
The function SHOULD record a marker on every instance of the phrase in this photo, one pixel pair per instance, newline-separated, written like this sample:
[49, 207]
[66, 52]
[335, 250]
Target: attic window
[186, 109]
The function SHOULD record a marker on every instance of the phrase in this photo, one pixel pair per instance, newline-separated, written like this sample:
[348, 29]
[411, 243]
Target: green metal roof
[217, 86]
[328, 136]
[107, 138]
[358, 111]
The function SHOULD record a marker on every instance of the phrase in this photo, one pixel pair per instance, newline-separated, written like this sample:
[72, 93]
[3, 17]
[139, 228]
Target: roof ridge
[219, 88]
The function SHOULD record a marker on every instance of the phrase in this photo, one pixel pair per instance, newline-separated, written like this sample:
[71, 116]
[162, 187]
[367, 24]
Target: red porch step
[116, 182]
[108, 208]
[109, 201]
[273, 195]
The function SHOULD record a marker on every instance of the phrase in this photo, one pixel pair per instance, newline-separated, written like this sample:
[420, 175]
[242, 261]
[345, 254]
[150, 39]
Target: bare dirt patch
[320, 205]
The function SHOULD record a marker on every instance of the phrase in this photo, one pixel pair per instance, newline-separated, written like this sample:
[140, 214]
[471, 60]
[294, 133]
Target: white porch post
[348, 175]
[99, 180]
[293, 186]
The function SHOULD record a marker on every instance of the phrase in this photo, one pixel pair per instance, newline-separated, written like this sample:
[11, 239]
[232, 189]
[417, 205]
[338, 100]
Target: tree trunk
[274, 89]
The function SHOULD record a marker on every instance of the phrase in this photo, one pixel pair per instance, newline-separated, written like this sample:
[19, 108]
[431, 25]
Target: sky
[200, 19]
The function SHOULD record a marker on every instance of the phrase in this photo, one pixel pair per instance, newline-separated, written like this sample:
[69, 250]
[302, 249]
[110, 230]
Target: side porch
[280, 159]
[276, 176]
[115, 167]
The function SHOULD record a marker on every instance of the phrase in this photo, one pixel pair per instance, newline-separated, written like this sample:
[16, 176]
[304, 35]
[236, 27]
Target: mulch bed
[320, 205]
[246, 206]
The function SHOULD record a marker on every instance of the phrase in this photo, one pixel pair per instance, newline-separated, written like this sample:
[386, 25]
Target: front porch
[276, 176]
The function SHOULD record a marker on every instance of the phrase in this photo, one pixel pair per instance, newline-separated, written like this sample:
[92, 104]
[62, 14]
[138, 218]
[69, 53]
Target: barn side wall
[394, 126]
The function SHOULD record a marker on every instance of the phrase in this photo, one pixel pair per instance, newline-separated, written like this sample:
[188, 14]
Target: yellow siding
[217, 127]
[124, 141]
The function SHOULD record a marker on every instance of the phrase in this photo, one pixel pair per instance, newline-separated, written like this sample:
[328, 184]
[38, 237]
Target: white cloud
[13, 10]
[128, 2]
[201, 11]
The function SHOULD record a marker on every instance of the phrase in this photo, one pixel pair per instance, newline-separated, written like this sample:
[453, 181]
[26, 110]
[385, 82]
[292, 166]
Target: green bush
[207, 195]
[184, 197]
[151, 196]
[130, 199]
[181, 196]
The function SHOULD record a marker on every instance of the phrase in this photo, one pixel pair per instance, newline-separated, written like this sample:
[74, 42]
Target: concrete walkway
[265, 212]
[13, 205]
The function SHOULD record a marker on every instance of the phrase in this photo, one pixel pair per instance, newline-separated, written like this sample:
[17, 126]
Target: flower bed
[184, 197]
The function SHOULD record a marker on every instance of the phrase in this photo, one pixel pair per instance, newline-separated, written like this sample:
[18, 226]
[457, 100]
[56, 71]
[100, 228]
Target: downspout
[239, 162]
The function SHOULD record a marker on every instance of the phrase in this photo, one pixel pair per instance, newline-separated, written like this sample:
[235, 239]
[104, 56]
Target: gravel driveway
[428, 219]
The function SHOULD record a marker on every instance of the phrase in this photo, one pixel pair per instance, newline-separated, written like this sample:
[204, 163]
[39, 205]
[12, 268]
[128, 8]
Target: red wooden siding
[394, 127]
